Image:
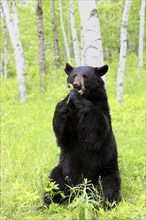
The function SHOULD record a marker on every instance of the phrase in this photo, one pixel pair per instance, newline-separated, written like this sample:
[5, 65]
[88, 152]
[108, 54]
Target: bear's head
[86, 79]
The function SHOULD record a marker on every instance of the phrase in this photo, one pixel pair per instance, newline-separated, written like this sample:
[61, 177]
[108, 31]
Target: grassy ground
[29, 151]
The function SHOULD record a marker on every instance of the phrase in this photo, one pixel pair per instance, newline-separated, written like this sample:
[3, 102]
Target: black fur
[82, 125]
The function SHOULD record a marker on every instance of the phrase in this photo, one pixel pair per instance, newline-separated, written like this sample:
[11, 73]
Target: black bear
[82, 125]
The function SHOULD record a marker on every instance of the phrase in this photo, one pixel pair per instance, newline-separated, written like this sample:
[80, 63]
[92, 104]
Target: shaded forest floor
[29, 152]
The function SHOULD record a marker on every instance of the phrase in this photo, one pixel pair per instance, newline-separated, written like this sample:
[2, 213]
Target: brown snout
[79, 84]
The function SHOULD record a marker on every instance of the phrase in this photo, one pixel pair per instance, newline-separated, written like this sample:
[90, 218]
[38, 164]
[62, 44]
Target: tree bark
[123, 50]
[41, 47]
[141, 35]
[93, 53]
[64, 33]
[74, 34]
[91, 28]
[17, 33]
[17, 52]
[5, 73]
[55, 34]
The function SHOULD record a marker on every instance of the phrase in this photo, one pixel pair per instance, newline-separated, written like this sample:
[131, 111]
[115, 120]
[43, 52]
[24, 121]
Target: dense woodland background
[28, 146]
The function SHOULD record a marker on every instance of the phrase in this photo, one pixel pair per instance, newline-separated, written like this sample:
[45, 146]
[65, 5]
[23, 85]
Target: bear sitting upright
[82, 125]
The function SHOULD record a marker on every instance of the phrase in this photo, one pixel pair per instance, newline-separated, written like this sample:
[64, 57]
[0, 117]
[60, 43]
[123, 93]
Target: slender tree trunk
[141, 34]
[17, 33]
[74, 33]
[123, 50]
[93, 53]
[41, 47]
[5, 49]
[17, 52]
[54, 27]
[63, 32]
[91, 29]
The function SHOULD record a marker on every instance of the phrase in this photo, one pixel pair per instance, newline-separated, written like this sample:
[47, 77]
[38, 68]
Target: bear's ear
[68, 68]
[101, 70]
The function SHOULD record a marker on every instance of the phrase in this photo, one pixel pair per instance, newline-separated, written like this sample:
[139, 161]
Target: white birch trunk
[93, 53]
[74, 33]
[123, 50]
[141, 34]
[63, 32]
[5, 49]
[91, 30]
[17, 33]
[17, 52]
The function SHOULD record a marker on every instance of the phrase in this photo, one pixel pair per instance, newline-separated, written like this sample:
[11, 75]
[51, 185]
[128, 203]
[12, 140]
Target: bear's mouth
[81, 91]
[79, 85]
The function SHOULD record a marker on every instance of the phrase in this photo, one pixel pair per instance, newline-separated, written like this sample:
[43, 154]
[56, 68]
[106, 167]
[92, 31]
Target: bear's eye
[85, 76]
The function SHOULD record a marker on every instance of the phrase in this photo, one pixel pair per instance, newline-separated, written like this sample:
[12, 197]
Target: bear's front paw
[75, 97]
[74, 93]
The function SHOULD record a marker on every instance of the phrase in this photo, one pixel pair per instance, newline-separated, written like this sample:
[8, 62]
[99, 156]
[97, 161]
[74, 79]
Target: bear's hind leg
[111, 187]
[57, 177]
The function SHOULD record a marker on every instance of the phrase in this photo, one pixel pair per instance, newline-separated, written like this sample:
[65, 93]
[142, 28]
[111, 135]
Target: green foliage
[52, 189]
[110, 16]
[133, 27]
[29, 151]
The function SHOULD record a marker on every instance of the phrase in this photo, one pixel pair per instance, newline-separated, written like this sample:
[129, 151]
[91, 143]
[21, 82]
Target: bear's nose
[76, 85]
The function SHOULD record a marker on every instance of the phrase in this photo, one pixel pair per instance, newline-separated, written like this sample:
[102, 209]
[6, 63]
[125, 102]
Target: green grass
[29, 151]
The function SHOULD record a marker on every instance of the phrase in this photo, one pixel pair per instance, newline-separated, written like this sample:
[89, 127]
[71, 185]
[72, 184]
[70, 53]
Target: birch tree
[91, 30]
[123, 50]
[64, 33]
[141, 34]
[74, 33]
[55, 35]
[5, 37]
[17, 33]
[41, 47]
[17, 52]
[93, 53]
